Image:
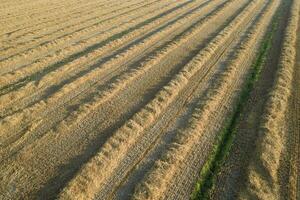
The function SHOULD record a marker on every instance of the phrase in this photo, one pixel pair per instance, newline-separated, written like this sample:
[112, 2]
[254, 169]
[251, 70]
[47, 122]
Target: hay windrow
[109, 99]
[263, 181]
[109, 156]
[157, 181]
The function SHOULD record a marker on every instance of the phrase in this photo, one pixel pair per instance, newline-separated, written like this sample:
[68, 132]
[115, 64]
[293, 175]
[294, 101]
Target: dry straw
[93, 175]
[155, 185]
[263, 181]
[34, 112]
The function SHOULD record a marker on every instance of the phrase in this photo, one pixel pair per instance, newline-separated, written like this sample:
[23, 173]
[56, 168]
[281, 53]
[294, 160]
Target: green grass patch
[225, 138]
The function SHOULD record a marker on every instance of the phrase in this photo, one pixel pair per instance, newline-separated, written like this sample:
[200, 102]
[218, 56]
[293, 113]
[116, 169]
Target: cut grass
[224, 141]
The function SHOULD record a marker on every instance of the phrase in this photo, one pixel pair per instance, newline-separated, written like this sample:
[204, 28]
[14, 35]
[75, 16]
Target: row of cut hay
[94, 173]
[263, 178]
[87, 59]
[18, 31]
[23, 11]
[31, 114]
[77, 27]
[80, 54]
[67, 36]
[157, 181]
[52, 18]
[77, 64]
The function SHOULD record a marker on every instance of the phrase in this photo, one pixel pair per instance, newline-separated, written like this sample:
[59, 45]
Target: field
[153, 99]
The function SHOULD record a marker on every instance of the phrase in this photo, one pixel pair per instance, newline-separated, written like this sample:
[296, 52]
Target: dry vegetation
[263, 175]
[107, 100]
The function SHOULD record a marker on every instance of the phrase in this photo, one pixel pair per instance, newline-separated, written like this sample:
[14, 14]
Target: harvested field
[149, 99]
